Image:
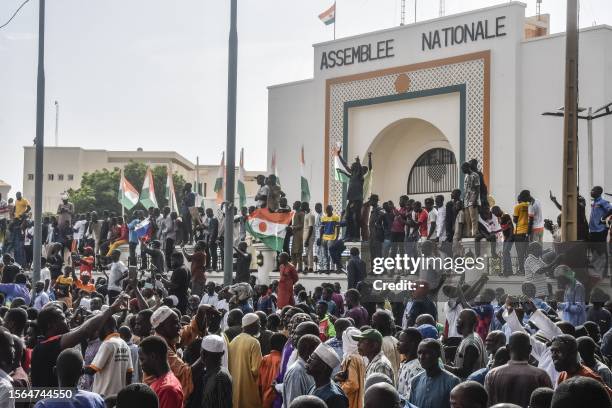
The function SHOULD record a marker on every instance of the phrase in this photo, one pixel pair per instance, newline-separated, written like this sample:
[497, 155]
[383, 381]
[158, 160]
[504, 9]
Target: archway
[402, 145]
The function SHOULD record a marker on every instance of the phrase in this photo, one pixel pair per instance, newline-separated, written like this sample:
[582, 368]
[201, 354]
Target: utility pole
[40, 143]
[230, 164]
[56, 123]
[569, 212]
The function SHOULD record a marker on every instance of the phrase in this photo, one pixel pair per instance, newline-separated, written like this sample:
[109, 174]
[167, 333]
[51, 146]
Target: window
[70, 177]
[50, 177]
[60, 177]
[434, 172]
[30, 176]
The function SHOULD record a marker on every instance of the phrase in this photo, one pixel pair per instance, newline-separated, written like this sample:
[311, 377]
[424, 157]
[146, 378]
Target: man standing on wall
[471, 186]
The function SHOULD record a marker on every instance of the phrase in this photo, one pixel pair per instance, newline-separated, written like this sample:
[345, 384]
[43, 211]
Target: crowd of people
[157, 331]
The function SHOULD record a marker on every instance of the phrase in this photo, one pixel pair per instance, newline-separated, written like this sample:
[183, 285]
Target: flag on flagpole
[274, 168]
[128, 195]
[329, 16]
[170, 195]
[305, 190]
[341, 172]
[270, 228]
[219, 181]
[241, 181]
[147, 194]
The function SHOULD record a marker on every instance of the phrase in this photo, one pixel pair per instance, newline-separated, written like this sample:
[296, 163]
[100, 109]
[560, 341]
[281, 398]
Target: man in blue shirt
[16, 290]
[133, 236]
[320, 365]
[598, 231]
[573, 305]
[431, 388]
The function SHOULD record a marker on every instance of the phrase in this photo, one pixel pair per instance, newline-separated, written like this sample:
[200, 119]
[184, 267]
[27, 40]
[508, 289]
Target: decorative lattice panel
[471, 73]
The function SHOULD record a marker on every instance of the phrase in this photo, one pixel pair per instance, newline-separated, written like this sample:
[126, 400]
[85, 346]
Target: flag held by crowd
[329, 16]
[305, 189]
[270, 228]
[128, 195]
[341, 172]
[170, 194]
[219, 181]
[241, 181]
[275, 168]
[142, 228]
[147, 195]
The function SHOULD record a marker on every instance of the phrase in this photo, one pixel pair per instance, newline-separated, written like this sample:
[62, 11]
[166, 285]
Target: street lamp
[589, 117]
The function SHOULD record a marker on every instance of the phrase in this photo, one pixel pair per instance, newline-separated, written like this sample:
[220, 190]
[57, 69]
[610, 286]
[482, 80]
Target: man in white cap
[244, 360]
[320, 366]
[213, 383]
[65, 211]
[166, 324]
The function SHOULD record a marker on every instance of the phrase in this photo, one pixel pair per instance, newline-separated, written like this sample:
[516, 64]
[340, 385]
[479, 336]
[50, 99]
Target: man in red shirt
[421, 215]
[198, 266]
[152, 353]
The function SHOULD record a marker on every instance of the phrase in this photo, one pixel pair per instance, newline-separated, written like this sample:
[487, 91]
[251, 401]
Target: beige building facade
[64, 167]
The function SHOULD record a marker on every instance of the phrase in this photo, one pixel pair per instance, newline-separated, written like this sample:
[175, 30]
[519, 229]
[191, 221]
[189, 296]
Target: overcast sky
[153, 73]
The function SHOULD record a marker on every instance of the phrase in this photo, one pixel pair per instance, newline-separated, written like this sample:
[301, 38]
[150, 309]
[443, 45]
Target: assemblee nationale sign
[463, 33]
[357, 54]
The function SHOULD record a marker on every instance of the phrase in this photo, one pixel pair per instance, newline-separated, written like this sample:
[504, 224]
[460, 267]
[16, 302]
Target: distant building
[64, 168]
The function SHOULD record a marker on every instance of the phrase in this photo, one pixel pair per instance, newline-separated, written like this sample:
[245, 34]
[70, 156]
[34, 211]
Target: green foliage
[99, 190]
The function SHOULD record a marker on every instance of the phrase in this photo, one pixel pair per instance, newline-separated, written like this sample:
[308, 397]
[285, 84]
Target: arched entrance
[412, 156]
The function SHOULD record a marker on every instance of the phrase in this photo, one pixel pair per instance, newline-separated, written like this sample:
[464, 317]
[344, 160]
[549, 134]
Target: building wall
[542, 90]
[526, 78]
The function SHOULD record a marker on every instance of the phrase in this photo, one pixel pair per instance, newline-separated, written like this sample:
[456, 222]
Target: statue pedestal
[269, 261]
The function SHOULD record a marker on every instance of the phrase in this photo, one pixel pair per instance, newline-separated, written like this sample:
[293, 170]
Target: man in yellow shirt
[22, 206]
[522, 228]
[330, 223]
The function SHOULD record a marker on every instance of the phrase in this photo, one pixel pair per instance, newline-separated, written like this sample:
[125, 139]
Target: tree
[99, 190]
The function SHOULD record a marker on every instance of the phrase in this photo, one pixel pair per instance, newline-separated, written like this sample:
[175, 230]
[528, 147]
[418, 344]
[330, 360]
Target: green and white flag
[147, 195]
[170, 195]
[305, 190]
[128, 195]
[219, 181]
[241, 181]
[341, 172]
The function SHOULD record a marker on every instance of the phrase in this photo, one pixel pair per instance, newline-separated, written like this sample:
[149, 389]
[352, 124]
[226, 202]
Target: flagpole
[335, 18]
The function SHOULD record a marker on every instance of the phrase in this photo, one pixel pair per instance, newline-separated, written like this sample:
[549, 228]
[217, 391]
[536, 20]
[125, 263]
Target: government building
[425, 97]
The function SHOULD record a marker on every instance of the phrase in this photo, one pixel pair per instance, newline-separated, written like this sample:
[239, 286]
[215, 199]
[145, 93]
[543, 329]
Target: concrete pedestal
[269, 261]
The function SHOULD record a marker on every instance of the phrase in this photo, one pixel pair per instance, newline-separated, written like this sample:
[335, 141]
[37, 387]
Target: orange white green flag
[128, 195]
[270, 228]
[220, 179]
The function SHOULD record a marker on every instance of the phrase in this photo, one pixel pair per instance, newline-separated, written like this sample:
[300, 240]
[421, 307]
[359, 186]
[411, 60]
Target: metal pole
[590, 146]
[415, 8]
[569, 217]
[230, 164]
[40, 143]
[56, 123]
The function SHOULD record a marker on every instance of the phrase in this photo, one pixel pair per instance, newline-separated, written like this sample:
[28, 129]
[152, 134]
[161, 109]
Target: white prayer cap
[349, 345]
[174, 299]
[328, 355]
[249, 318]
[213, 344]
[160, 315]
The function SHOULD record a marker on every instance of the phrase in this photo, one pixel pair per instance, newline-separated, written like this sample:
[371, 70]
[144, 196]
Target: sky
[153, 73]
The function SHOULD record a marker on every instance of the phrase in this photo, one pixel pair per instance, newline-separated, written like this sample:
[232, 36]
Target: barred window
[435, 171]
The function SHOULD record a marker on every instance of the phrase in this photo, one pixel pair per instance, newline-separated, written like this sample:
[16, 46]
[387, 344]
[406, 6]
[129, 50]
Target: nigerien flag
[147, 194]
[219, 181]
[329, 16]
[128, 195]
[241, 181]
[268, 227]
[305, 190]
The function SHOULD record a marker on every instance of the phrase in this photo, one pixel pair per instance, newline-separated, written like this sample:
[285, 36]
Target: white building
[63, 168]
[425, 97]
